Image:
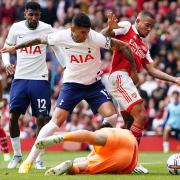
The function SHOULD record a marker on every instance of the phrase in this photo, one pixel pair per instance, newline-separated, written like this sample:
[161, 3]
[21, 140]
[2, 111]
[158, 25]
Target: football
[173, 164]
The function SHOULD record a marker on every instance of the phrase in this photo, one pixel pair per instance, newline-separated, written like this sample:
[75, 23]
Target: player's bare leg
[166, 135]
[108, 111]
[128, 120]
[79, 164]
[15, 140]
[83, 136]
[41, 121]
[59, 116]
[138, 112]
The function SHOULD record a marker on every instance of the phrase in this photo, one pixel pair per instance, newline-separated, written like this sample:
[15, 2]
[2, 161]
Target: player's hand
[10, 49]
[10, 69]
[135, 78]
[177, 81]
[112, 21]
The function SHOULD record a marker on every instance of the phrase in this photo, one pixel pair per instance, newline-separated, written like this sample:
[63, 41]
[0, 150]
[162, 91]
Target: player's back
[31, 61]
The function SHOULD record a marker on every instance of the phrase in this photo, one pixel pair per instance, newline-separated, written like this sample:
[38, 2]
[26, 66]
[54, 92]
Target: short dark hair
[175, 92]
[147, 13]
[81, 20]
[33, 6]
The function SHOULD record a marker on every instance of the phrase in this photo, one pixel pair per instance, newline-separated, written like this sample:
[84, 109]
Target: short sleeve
[100, 40]
[148, 59]
[11, 38]
[124, 27]
[50, 29]
[55, 38]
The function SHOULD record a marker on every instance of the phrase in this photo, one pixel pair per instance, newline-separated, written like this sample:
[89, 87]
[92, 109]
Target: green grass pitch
[155, 162]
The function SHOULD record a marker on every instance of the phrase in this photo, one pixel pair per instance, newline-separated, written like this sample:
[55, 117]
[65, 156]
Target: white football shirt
[31, 61]
[82, 60]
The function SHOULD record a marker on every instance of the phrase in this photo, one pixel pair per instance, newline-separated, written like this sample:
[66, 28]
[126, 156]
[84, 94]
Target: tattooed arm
[127, 53]
[125, 50]
[11, 49]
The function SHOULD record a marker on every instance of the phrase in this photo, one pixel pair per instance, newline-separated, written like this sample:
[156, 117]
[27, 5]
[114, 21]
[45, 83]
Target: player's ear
[25, 14]
[137, 20]
[72, 28]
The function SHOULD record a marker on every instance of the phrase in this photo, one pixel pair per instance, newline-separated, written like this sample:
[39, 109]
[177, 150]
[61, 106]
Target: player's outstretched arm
[111, 24]
[10, 49]
[10, 68]
[127, 53]
[156, 73]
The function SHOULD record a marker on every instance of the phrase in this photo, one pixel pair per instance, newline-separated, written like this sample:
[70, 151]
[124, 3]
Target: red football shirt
[140, 50]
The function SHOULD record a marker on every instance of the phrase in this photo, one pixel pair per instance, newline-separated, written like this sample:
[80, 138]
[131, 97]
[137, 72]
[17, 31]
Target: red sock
[137, 132]
[3, 141]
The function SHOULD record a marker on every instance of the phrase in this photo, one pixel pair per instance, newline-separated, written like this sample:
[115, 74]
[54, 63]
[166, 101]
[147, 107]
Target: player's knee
[167, 129]
[141, 118]
[74, 170]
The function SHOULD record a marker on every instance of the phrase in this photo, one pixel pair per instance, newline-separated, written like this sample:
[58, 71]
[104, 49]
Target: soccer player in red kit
[122, 87]
[3, 138]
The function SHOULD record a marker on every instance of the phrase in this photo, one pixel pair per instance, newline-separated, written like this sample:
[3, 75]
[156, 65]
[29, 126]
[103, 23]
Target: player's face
[80, 34]
[32, 17]
[144, 26]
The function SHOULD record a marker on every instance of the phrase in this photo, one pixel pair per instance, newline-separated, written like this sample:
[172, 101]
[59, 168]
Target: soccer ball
[173, 164]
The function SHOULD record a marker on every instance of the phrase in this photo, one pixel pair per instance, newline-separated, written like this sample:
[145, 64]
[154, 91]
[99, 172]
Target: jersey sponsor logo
[31, 50]
[81, 59]
[137, 49]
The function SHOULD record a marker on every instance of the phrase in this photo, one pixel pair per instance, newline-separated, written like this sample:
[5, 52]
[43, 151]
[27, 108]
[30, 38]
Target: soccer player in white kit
[30, 84]
[80, 46]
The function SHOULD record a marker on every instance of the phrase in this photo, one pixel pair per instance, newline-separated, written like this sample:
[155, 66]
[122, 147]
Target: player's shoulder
[44, 25]
[124, 24]
[94, 34]
[18, 24]
[92, 31]
[63, 33]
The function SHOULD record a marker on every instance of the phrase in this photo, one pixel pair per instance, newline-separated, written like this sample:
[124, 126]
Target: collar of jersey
[30, 28]
[135, 30]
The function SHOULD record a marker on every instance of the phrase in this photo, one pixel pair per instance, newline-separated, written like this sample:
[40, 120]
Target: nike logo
[62, 100]
[21, 36]
[67, 47]
[41, 110]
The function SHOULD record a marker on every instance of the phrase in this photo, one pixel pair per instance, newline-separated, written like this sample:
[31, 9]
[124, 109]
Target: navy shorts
[30, 92]
[72, 93]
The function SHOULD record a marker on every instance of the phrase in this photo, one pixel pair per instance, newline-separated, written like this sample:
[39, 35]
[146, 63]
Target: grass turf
[154, 162]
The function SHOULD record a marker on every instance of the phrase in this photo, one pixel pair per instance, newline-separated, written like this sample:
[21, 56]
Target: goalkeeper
[115, 151]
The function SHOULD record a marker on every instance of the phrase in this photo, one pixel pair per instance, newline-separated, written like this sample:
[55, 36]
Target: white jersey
[82, 60]
[31, 61]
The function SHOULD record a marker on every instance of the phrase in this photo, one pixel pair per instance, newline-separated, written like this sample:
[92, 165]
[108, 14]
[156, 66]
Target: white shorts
[123, 90]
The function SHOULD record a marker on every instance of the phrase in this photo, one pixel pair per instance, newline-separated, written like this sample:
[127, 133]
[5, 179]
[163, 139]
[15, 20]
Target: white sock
[49, 129]
[40, 156]
[112, 120]
[166, 146]
[16, 144]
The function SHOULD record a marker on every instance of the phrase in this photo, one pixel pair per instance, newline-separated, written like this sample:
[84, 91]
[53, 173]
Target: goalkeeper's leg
[84, 136]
